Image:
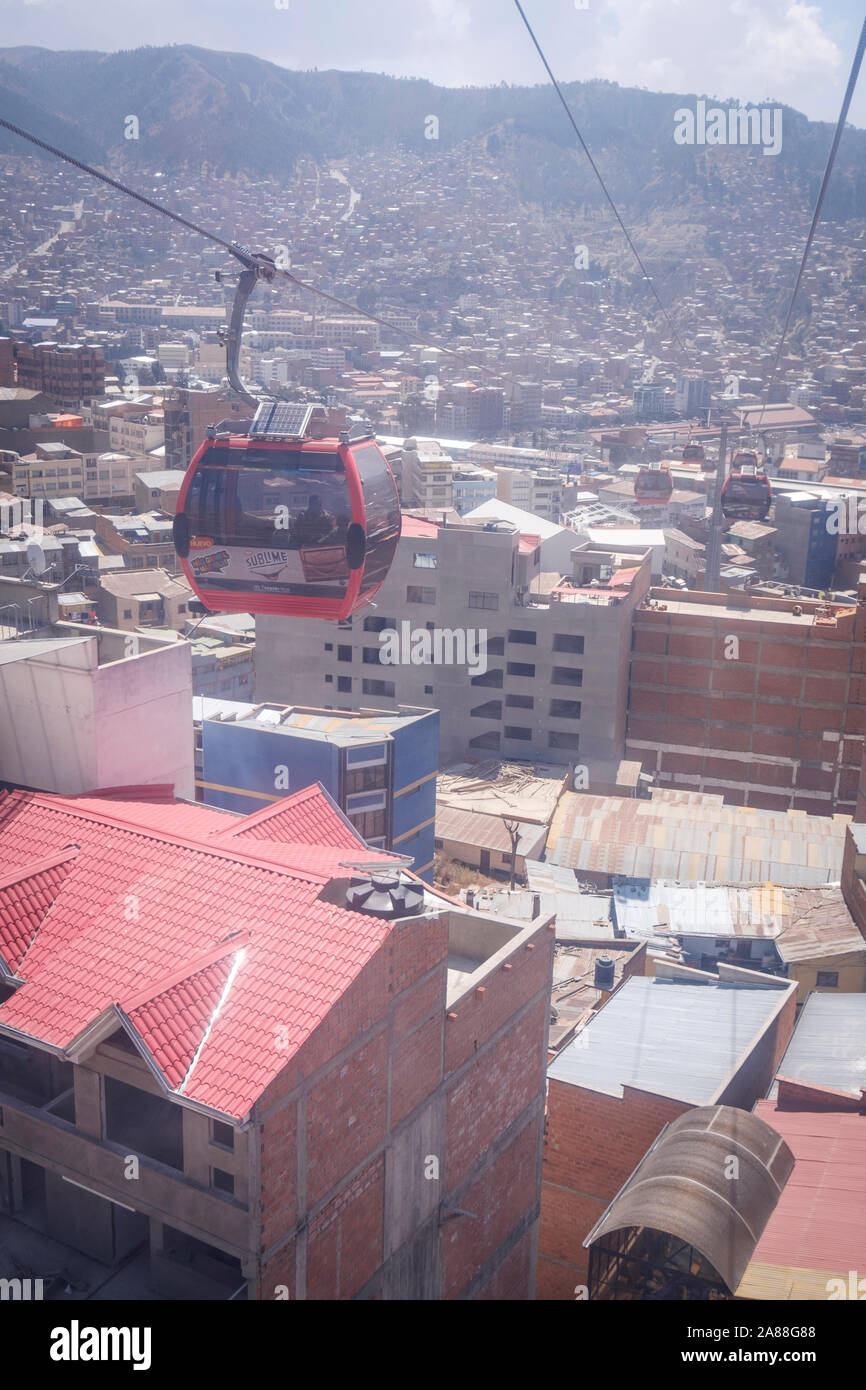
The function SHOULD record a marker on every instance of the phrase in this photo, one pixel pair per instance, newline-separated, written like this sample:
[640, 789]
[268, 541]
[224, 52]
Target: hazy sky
[795, 52]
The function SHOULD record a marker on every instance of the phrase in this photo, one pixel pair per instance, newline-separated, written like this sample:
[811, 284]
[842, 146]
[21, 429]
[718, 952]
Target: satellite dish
[36, 560]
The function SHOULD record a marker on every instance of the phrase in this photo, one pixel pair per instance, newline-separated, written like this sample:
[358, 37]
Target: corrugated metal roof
[683, 1187]
[819, 926]
[693, 842]
[675, 1038]
[820, 1221]
[544, 877]
[485, 832]
[828, 1047]
[698, 909]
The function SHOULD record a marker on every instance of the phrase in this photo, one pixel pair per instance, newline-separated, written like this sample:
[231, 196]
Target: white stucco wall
[70, 725]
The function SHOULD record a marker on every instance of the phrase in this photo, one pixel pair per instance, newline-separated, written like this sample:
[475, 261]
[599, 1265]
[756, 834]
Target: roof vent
[386, 893]
[604, 973]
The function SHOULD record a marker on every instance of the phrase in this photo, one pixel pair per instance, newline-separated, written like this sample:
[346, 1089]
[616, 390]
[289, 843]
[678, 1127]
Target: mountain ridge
[235, 112]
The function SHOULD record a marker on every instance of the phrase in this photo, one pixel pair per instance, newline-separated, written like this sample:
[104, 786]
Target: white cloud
[748, 49]
[450, 16]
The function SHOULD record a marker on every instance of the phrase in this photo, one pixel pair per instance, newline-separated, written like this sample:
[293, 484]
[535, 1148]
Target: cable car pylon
[712, 572]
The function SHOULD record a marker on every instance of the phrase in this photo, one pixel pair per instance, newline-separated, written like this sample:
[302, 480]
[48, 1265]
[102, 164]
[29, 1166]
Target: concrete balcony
[99, 1165]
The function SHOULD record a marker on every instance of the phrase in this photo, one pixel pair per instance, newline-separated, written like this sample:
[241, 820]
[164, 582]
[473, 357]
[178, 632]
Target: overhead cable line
[831, 160]
[595, 169]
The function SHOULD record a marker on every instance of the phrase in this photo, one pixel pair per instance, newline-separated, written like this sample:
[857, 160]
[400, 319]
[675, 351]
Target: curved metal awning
[689, 1187]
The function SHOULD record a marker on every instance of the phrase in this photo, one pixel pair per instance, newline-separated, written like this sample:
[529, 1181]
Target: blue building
[379, 766]
[470, 486]
[806, 538]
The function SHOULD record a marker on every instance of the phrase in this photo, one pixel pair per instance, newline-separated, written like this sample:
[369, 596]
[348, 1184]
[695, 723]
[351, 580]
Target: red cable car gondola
[653, 484]
[288, 516]
[746, 493]
[694, 453]
[286, 519]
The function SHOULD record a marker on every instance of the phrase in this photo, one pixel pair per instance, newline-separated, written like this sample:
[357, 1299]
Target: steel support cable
[831, 160]
[595, 169]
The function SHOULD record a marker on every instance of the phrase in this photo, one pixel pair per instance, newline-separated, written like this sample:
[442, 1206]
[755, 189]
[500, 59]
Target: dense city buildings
[449, 950]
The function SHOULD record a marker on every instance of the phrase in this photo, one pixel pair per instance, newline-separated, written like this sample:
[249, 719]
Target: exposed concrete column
[88, 1101]
[196, 1161]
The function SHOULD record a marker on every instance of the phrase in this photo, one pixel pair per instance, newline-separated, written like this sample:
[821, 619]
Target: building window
[491, 710]
[127, 612]
[518, 731]
[222, 1181]
[344, 653]
[417, 593]
[369, 824]
[329, 646]
[181, 608]
[520, 701]
[378, 688]
[344, 684]
[483, 600]
[329, 680]
[556, 739]
[828, 978]
[519, 634]
[222, 1135]
[423, 561]
[492, 678]
[371, 754]
[488, 740]
[566, 675]
[366, 779]
[372, 656]
[565, 709]
[520, 668]
[428, 690]
[378, 624]
[567, 642]
[496, 646]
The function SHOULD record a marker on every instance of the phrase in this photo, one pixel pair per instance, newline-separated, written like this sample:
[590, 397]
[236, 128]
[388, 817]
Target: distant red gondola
[694, 453]
[653, 485]
[746, 494]
[287, 519]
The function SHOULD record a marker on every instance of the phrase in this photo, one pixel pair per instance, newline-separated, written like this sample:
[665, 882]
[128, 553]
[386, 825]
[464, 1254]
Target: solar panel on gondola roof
[286, 419]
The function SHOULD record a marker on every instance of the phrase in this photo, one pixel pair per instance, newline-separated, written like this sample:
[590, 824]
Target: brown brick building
[761, 699]
[187, 414]
[322, 1101]
[71, 372]
[7, 362]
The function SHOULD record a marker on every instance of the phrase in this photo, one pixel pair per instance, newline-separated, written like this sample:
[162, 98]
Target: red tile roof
[820, 1220]
[307, 818]
[215, 948]
[418, 528]
[25, 900]
[174, 1022]
[155, 807]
